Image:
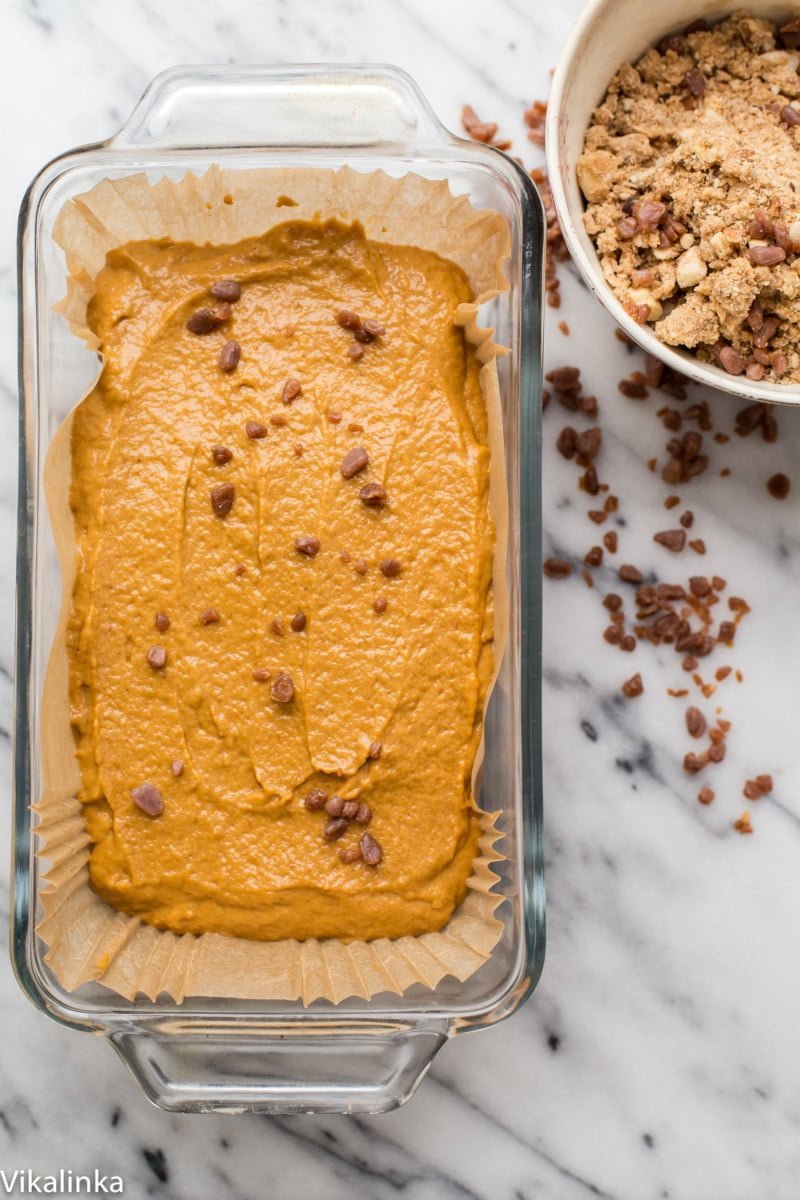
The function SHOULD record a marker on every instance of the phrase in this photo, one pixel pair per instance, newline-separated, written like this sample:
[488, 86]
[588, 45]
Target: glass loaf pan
[238, 1056]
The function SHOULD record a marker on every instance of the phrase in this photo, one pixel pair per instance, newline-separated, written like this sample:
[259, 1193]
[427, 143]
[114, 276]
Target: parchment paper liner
[87, 940]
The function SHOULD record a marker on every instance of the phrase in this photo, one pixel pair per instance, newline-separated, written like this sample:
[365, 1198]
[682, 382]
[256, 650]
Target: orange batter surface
[388, 697]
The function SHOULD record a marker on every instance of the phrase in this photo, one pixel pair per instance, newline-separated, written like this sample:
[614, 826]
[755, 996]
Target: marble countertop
[658, 1059]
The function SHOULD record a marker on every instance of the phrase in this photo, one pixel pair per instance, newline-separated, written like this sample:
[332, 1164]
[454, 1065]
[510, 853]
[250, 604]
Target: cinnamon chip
[371, 851]
[778, 486]
[633, 687]
[391, 568]
[226, 289]
[206, 320]
[210, 616]
[221, 455]
[282, 689]
[335, 828]
[315, 799]
[354, 461]
[672, 539]
[255, 430]
[162, 622]
[307, 545]
[291, 390]
[380, 604]
[373, 495]
[229, 356]
[630, 574]
[222, 498]
[298, 622]
[556, 568]
[157, 658]
[695, 722]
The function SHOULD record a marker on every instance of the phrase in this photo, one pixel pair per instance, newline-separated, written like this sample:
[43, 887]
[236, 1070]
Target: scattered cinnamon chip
[380, 604]
[742, 824]
[222, 498]
[371, 851]
[633, 687]
[157, 658]
[373, 495]
[291, 390]
[391, 568]
[206, 320]
[221, 455]
[482, 131]
[162, 622]
[315, 800]
[778, 486]
[354, 461]
[630, 574]
[556, 568]
[705, 795]
[229, 356]
[282, 689]
[610, 541]
[226, 289]
[672, 539]
[695, 722]
[298, 622]
[255, 430]
[307, 545]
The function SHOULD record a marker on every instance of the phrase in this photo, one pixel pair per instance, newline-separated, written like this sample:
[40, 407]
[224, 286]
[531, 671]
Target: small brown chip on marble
[594, 557]
[364, 814]
[221, 455]
[751, 790]
[375, 750]
[316, 799]
[778, 486]
[282, 689]
[229, 356]
[255, 430]
[391, 568]
[348, 319]
[261, 675]
[350, 854]
[692, 763]
[157, 658]
[335, 828]
[307, 545]
[206, 320]
[298, 622]
[350, 810]
[226, 289]
[371, 851]
[162, 622]
[373, 495]
[334, 806]
[360, 566]
[672, 539]
[765, 783]
[633, 687]
[556, 568]
[742, 824]
[291, 390]
[276, 627]
[209, 616]
[610, 541]
[705, 795]
[148, 798]
[222, 498]
[176, 767]
[695, 722]
[354, 461]
[630, 574]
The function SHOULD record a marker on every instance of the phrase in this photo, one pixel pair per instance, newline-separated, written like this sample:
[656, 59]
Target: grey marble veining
[658, 1059]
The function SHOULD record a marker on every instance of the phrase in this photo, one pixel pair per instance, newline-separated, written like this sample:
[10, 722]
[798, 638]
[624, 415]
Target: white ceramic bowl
[609, 33]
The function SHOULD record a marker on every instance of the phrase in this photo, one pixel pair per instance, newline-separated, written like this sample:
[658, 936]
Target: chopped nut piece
[364, 814]
[148, 798]
[276, 627]
[162, 622]
[348, 319]
[222, 498]
[610, 541]
[334, 806]
[255, 430]
[221, 455]
[298, 622]
[380, 604]
[282, 689]
[354, 461]
[307, 545]
[391, 568]
[672, 539]
[705, 795]
[349, 810]
[742, 824]
[157, 658]
[226, 289]
[630, 574]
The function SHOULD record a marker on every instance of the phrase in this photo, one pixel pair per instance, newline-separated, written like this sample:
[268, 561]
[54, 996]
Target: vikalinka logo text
[63, 1183]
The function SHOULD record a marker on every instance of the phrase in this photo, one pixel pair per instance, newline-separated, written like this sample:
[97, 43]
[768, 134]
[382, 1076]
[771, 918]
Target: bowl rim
[589, 265]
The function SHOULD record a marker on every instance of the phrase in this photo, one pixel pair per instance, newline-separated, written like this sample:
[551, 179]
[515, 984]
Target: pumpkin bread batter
[281, 633]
